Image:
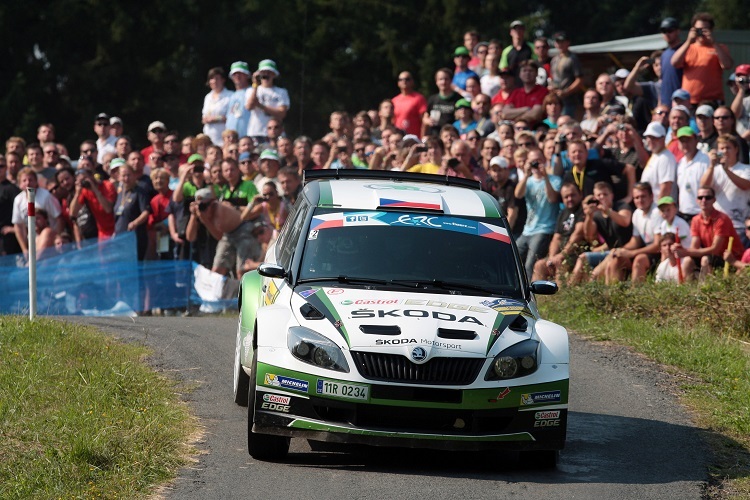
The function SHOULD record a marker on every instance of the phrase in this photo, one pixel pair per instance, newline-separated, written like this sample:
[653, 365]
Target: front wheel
[241, 382]
[262, 446]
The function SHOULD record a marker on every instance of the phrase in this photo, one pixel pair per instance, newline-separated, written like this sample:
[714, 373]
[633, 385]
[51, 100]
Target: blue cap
[244, 156]
[681, 94]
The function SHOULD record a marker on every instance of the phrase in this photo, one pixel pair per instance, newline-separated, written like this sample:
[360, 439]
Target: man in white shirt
[27, 178]
[730, 179]
[265, 100]
[661, 169]
[690, 171]
[105, 143]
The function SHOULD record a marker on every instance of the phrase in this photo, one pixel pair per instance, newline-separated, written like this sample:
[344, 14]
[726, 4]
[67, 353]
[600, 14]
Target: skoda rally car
[393, 310]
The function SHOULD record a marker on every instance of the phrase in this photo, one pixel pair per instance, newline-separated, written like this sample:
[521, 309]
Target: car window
[408, 246]
[290, 233]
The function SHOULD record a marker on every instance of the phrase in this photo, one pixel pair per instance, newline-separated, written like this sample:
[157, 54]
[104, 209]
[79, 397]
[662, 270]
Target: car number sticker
[341, 390]
[313, 235]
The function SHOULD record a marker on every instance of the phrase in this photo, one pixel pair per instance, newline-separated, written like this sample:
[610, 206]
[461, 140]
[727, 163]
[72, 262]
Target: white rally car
[393, 310]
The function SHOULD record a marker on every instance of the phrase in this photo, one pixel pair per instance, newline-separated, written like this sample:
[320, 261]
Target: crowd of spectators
[644, 173]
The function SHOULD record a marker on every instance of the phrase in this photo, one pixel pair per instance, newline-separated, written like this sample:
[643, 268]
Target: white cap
[114, 120]
[622, 73]
[705, 110]
[655, 129]
[411, 137]
[154, 125]
[680, 107]
[499, 161]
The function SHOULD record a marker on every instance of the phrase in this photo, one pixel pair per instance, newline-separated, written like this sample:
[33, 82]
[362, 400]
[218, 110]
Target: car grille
[397, 368]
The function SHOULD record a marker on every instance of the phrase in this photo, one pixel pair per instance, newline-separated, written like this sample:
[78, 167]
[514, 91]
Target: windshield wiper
[352, 279]
[453, 285]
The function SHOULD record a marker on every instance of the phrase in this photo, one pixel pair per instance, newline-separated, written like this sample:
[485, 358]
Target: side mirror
[271, 271]
[542, 287]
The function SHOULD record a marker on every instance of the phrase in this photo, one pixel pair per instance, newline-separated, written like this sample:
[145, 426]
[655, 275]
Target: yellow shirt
[425, 168]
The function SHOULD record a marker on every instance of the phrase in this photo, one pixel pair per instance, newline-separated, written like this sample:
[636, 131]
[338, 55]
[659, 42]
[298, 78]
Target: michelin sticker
[286, 382]
[536, 398]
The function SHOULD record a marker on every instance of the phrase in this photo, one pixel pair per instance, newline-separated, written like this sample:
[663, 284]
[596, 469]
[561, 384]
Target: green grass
[701, 332]
[82, 416]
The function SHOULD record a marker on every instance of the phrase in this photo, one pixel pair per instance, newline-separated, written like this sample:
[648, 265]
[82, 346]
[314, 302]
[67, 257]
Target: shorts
[595, 258]
[240, 244]
[716, 262]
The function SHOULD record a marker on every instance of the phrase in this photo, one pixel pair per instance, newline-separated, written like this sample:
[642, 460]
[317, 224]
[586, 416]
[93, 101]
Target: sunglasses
[265, 77]
[747, 228]
[705, 197]
[102, 124]
[159, 131]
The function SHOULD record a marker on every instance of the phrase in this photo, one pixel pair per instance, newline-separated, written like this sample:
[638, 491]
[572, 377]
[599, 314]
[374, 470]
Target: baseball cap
[195, 157]
[655, 129]
[155, 125]
[116, 163]
[244, 156]
[461, 51]
[621, 74]
[705, 110]
[202, 194]
[560, 36]
[499, 161]
[410, 137]
[614, 109]
[742, 69]
[681, 94]
[268, 65]
[269, 154]
[669, 23]
[517, 24]
[665, 200]
[685, 132]
[239, 67]
[102, 116]
[462, 103]
[682, 108]
[114, 120]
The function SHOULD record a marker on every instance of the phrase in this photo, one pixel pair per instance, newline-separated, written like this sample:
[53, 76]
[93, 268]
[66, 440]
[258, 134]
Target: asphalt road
[627, 436]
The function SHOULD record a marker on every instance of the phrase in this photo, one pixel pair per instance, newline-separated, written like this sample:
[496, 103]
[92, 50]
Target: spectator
[519, 50]
[507, 85]
[45, 235]
[641, 253]
[123, 147]
[661, 169]
[132, 209]
[480, 105]
[679, 117]
[542, 195]
[290, 181]
[629, 149]
[27, 178]
[709, 233]
[490, 80]
[473, 88]
[269, 167]
[338, 123]
[98, 196]
[8, 193]
[302, 151]
[707, 134]
[567, 240]
[592, 106]
[319, 154]
[216, 106]
[35, 156]
[644, 94]
[586, 173]
[502, 186]
[744, 262]
[741, 102]
[730, 181]
[461, 58]
[115, 127]
[172, 147]
[660, 115]
[525, 103]
[702, 61]
[265, 100]
[105, 143]
[192, 179]
[285, 151]
[566, 74]
[83, 226]
[274, 132]
[672, 224]
[464, 118]
[51, 155]
[607, 224]
[409, 106]
[431, 159]
[670, 75]
[691, 168]
[668, 268]
[726, 123]
[156, 133]
[385, 118]
[488, 149]
[161, 245]
[273, 209]
[45, 133]
[238, 117]
[552, 109]
[541, 50]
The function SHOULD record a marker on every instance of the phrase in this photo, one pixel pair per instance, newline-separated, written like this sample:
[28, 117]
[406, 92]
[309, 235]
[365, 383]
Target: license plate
[341, 390]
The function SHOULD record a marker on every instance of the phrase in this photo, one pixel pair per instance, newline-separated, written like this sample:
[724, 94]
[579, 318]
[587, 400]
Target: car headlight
[517, 360]
[311, 347]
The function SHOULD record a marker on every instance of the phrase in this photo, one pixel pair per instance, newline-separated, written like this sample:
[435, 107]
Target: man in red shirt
[525, 103]
[710, 232]
[409, 106]
[99, 195]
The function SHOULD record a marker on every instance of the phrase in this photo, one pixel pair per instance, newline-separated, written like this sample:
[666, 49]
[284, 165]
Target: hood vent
[449, 333]
[380, 329]
[520, 324]
[308, 311]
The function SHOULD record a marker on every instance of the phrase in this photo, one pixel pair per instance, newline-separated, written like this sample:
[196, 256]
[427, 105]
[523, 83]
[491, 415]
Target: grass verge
[82, 416]
[701, 331]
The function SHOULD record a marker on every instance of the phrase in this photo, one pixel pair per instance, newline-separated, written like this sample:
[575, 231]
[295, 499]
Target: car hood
[397, 322]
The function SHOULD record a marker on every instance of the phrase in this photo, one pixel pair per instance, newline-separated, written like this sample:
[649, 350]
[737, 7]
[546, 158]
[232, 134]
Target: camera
[203, 205]
[741, 80]
[592, 201]
[650, 60]
[621, 127]
[720, 154]
[453, 163]
[699, 31]
[534, 164]
[85, 184]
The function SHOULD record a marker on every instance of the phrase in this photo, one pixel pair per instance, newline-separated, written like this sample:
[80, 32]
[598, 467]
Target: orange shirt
[702, 74]
[717, 225]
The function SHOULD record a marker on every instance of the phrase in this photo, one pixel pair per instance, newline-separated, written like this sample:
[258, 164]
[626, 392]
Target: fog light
[302, 349]
[528, 362]
[505, 367]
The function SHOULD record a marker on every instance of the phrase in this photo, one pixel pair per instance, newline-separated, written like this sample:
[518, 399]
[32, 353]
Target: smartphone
[650, 60]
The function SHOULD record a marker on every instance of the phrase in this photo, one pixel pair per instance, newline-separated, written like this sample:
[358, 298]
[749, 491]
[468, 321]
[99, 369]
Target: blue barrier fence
[102, 279]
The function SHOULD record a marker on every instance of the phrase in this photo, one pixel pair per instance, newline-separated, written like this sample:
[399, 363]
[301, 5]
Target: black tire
[262, 446]
[540, 459]
[241, 382]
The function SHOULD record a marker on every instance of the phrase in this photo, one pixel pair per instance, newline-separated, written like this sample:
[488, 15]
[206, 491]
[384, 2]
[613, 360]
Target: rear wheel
[262, 446]
[241, 381]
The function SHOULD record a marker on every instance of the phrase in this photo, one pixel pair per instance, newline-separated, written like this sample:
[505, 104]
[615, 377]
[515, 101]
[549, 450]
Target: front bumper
[527, 417]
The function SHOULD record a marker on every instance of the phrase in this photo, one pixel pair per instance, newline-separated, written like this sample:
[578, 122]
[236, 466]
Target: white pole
[31, 196]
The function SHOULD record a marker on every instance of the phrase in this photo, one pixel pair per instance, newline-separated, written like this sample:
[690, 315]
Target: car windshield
[444, 252]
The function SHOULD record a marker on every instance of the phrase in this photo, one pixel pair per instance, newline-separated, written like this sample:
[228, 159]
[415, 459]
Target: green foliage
[82, 416]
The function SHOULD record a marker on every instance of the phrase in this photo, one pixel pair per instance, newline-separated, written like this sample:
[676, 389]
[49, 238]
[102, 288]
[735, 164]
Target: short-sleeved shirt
[444, 107]
[241, 195]
[678, 227]
[238, 117]
[566, 222]
[272, 97]
[565, 69]
[689, 180]
[128, 207]
[671, 77]
[606, 170]
[613, 234]
[43, 199]
[719, 224]
[408, 110]
[730, 199]
[542, 214]
[661, 167]
[702, 73]
[460, 77]
[511, 57]
[105, 221]
[646, 224]
[519, 98]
